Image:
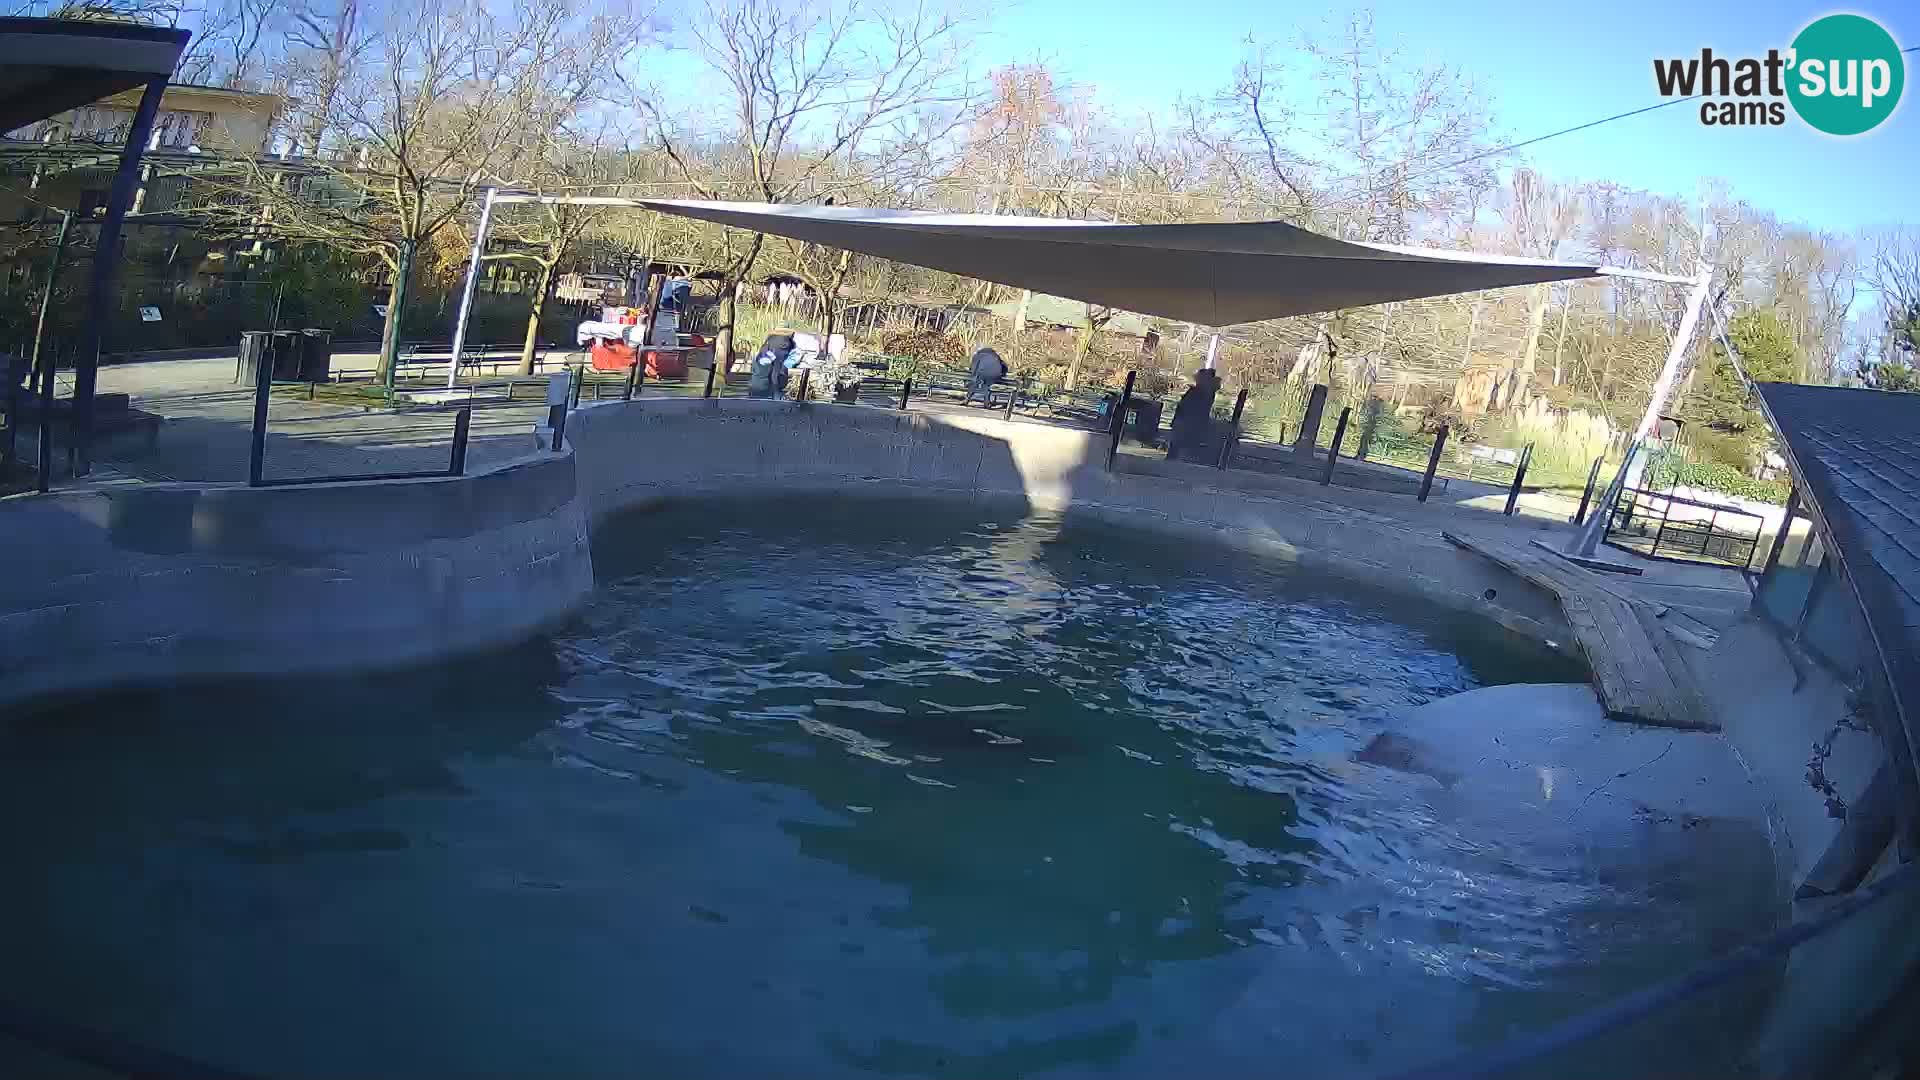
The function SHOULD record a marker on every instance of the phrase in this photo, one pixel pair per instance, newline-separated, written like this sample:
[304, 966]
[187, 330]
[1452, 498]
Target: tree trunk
[1536, 316]
[723, 334]
[1560, 341]
[533, 319]
[1020, 321]
[396, 308]
[1080, 350]
[831, 298]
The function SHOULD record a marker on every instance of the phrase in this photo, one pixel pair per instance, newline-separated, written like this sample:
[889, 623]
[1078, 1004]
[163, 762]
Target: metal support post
[1786, 526]
[906, 391]
[262, 391]
[1433, 463]
[1586, 497]
[1519, 476]
[1587, 540]
[106, 262]
[46, 427]
[461, 420]
[1119, 420]
[53, 275]
[466, 290]
[1233, 429]
[1333, 450]
[712, 366]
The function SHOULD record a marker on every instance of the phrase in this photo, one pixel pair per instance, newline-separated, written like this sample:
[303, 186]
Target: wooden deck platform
[1637, 668]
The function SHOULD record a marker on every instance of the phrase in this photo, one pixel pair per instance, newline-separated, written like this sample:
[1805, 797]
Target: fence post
[1013, 395]
[1233, 428]
[806, 376]
[1586, 497]
[579, 378]
[906, 391]
[262, 389]
[1433, 463]
[13, 410]
[46, 424]
[1786, 526]
[1310, 422]
[458, 465]
[633, 377]
[1119, 420]
[711, 368]
[1333, 451]
[1519, 475]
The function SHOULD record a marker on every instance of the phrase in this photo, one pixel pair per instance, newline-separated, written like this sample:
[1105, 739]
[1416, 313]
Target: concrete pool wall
[133, 583]
[150, 583]
[633, 455]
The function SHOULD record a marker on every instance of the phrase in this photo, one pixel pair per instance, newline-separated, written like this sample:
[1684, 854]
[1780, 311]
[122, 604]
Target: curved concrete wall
[152, 582]
[632, 454]
[149, 583]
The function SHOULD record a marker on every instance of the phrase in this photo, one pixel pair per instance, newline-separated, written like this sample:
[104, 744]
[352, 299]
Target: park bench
[880, 392]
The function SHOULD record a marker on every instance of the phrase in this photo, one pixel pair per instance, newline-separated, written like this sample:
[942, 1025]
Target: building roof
[1208, 273]
[48, 66]
[1855, 456]
[1060, 311]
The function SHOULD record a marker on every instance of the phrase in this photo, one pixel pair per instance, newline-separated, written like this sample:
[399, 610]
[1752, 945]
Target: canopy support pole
[106, 265]
[466, 291]
[1586, 541]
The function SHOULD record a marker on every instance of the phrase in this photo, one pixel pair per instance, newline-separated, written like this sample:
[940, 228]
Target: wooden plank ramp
[1638, 671]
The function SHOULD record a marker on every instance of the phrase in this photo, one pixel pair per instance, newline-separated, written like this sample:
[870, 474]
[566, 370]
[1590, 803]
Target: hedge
[1717, 476]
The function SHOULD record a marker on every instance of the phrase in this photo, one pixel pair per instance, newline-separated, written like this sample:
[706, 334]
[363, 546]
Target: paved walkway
[209, 419]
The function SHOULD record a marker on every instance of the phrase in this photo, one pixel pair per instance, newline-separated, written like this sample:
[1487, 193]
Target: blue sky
[1544, 67]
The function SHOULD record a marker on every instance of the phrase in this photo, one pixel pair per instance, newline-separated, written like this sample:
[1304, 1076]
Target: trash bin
[286, 355]
[252, 344]
[1146, 421]
[316, 355]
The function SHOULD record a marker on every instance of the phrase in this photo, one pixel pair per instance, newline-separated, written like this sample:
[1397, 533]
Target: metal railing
[263, 385]
[1663, 526]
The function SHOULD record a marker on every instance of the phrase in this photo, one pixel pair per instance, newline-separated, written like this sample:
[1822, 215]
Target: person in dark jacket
[1193, 416]
[768, 375]
[988, 369]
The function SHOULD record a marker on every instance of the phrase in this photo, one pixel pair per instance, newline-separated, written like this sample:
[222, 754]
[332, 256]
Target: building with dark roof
[1842, 580]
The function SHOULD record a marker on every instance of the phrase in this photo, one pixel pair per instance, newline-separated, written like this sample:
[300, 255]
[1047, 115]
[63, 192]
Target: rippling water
[975, 798]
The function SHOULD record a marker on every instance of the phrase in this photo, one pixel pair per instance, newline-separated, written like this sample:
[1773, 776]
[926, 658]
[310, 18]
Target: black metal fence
[257, 448]
[1664, 526]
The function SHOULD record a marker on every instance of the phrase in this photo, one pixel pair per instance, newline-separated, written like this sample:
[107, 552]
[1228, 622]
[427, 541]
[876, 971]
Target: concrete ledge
[164, 581]
[149, 583]
[640, 453]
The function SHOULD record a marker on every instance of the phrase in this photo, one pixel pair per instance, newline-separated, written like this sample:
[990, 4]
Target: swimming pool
[818, 788]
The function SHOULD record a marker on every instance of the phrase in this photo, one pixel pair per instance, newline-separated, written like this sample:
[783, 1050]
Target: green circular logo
[1846, 74]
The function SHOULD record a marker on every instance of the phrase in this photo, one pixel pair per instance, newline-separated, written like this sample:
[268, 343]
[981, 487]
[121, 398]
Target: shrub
[927, 347]
[1715, 476]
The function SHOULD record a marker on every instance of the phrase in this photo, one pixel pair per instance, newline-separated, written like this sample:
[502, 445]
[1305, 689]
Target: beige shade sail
[1210, 273]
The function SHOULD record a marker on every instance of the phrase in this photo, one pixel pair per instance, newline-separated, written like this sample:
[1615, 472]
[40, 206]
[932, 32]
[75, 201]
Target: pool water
[830, 790]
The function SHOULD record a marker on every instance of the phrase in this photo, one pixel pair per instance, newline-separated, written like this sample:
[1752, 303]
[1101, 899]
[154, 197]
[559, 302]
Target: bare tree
[548, 232]
[814, 84]
[444, 100]
[235, 45]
